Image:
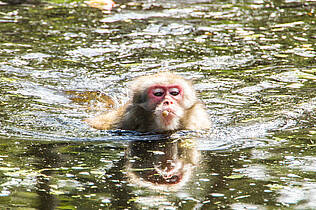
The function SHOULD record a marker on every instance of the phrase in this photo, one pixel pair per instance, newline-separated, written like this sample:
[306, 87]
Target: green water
[253, 65]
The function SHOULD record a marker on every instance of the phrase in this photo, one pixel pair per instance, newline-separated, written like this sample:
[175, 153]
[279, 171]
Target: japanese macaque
[159, 103]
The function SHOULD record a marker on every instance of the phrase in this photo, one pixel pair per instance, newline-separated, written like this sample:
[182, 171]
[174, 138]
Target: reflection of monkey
[160, 102]
[161, 164]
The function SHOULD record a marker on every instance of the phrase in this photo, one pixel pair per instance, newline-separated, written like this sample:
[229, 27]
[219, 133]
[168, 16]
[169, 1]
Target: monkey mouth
[165, 113]
[168, 114]
[167, 119]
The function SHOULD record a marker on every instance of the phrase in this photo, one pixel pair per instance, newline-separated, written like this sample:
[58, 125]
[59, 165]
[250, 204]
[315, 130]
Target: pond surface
[254, 66]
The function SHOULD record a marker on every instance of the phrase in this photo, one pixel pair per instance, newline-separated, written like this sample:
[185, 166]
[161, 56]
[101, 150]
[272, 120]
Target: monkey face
[165, 94]
[165, 102]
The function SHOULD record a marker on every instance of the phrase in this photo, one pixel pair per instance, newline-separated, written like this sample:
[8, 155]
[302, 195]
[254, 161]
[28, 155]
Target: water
[253, 64]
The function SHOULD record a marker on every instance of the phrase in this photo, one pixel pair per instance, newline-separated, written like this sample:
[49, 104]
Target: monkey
[162, 102]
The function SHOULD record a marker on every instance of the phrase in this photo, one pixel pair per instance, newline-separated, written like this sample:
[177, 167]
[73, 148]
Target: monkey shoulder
[197, 118]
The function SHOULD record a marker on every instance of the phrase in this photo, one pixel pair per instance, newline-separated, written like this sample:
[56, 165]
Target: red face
[165, 101]
[166, 95]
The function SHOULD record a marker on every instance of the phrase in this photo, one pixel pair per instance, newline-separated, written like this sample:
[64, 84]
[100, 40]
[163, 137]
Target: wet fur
[139, 116]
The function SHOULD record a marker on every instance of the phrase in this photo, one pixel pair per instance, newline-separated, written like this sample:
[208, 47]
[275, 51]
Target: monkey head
[166, 96]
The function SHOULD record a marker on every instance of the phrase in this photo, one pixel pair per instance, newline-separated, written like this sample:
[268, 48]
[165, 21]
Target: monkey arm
[104, 121]
[108, 120]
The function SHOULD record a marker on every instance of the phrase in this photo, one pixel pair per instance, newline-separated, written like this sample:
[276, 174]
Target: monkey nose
[166, 103]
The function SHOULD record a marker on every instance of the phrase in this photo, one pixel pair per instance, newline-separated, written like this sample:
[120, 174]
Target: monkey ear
[187, 78]
[191, 81]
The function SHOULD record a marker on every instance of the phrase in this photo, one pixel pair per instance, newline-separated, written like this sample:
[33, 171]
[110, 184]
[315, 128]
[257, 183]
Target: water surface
[253, 65]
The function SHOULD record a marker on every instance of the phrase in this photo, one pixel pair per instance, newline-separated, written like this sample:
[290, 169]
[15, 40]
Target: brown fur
[139, 116]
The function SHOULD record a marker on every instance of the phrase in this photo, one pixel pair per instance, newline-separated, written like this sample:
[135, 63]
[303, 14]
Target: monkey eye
[158, 92]
[174, 91]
